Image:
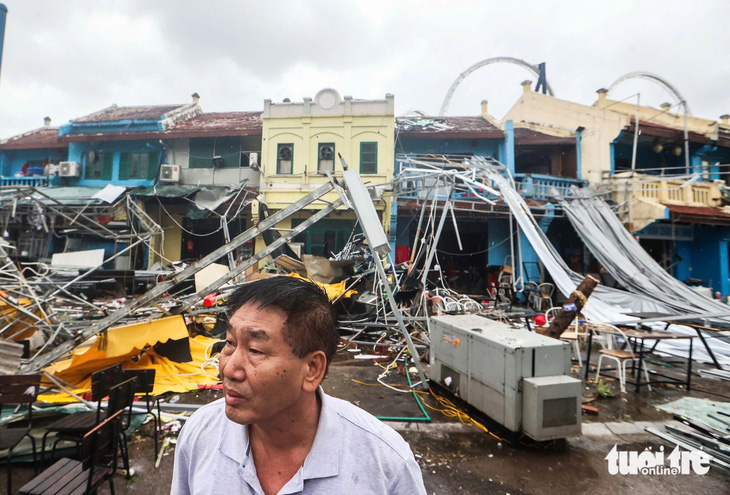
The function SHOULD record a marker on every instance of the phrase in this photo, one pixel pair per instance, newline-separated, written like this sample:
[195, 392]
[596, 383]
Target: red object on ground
[402, 254]
[210, 300]
[540, 320]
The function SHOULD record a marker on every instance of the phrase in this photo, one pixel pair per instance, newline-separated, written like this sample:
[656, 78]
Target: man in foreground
[276, 431]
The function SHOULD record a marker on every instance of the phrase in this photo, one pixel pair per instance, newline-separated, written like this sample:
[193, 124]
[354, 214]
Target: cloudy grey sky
[68, 58]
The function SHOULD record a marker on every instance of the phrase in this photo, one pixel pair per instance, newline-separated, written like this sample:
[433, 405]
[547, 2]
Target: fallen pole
[571, 307]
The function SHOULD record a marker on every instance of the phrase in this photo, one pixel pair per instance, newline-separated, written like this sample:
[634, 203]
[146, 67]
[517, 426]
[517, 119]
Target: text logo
[652, 463]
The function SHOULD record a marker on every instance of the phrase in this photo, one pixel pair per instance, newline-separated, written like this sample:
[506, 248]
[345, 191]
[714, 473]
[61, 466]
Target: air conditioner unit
[169, 173]
[69, 169]
[518, 378]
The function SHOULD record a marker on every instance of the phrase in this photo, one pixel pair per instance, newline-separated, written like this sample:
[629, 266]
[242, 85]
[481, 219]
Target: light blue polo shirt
[353, 453]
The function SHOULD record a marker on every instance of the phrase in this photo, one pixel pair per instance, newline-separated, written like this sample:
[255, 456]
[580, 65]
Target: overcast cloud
[69, 58]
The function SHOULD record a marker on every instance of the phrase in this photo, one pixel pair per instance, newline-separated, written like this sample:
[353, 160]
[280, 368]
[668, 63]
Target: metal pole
[85, 274]
[436, 237]
[636, 131]
[686, 138]
[399, 319]
[165, 286]
[260, 255]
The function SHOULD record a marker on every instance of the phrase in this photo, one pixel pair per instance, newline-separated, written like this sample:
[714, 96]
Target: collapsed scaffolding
[399, 299]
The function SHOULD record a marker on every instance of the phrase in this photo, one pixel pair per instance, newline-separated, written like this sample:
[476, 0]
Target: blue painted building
[211, 154]
[691, 238]
[24, 158]
[539, 163]
[121, 145]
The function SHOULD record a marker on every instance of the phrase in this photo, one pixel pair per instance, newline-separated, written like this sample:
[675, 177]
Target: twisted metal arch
[489, 61]
[655, 79]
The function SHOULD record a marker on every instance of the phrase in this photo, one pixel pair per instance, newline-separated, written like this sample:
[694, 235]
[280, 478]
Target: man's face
[262, 378]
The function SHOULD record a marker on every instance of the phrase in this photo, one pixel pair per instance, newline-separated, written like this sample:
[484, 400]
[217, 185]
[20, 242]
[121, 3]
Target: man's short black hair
[310, 325]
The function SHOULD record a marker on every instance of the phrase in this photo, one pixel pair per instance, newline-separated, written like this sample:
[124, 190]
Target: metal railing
[24, 181]
[545, 187]
[538, 186]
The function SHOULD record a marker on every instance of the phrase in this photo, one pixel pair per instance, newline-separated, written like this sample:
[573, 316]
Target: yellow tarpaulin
[333, 290]
[125, 345]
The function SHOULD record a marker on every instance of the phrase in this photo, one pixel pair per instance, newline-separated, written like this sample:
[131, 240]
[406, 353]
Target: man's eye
[255, 351]
[230, 343]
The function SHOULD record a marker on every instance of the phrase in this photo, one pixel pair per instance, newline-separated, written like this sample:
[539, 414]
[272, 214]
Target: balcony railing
[24, 181]
[656, 189]
[545, 187]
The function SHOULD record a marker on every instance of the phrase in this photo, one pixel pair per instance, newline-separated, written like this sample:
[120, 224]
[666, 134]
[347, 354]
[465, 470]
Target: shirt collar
[323, 458]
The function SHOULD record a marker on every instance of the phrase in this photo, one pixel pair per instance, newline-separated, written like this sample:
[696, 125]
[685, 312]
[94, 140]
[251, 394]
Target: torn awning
[166, 191]
[203, 199]
[133, 345]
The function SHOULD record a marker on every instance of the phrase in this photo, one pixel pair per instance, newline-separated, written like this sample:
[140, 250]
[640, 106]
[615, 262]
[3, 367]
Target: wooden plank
[79, 482]
[16, 399]
[69, 476]
[40, 483]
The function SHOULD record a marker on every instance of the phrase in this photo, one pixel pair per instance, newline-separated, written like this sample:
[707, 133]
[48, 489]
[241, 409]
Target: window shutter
[107, 166]
[124, 162]
[153, 163]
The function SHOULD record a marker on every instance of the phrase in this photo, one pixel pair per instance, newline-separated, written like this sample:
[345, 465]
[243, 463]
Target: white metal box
[69, 169]
[169, 173]
[551, 407]
[484, 362]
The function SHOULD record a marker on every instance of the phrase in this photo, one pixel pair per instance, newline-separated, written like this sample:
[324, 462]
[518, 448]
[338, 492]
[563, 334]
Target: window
[285, 158]
[326, 157]
[99, 166]
[138, 165]
[368, 158]
[220, 152]
[326, 236]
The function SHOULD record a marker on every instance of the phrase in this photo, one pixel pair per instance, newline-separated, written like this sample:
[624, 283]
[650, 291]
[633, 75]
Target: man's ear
[316, 367]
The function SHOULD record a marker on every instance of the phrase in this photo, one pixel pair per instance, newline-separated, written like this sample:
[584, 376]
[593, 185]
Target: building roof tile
[115, 113]
[45, 137]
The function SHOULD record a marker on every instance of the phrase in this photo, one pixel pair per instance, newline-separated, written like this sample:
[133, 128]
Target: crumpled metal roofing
[69, 196]
[465, 127]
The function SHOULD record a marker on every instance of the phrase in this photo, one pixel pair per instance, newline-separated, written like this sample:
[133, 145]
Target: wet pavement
[460, 459]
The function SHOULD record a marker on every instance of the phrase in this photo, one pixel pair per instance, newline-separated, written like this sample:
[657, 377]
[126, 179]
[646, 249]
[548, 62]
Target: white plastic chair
[621, 357]
[544, 295]
[568, 336]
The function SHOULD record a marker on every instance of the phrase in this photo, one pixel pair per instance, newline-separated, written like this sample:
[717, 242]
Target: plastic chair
[18, 389]
[530, 288]
[505, 291]
[573, 337]
[544, 295]
[621, 357]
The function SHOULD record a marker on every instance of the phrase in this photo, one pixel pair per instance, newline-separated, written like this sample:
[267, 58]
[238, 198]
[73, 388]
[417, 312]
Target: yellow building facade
[302, 142]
